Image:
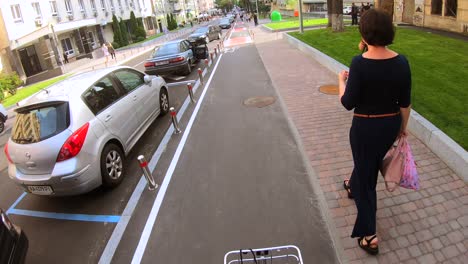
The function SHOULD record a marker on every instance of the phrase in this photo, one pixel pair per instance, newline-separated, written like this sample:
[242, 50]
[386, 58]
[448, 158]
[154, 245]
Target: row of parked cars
[179, 56]
[73, 136]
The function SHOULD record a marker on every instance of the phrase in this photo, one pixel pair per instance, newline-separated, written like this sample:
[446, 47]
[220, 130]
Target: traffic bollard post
[211, 56]
[175, 122]
[206, 62]
[216, 52]
[200, 74]
[189, 87]
[148, 176]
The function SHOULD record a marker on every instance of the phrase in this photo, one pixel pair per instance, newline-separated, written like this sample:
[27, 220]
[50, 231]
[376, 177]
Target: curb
[291, 29]
[442, 145]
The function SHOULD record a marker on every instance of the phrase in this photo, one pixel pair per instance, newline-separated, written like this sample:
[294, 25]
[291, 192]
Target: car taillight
[73, 145]
[7, 154]
[178, 59]
[149, 64]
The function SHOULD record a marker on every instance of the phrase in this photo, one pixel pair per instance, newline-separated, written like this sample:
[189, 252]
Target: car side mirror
[147, 79]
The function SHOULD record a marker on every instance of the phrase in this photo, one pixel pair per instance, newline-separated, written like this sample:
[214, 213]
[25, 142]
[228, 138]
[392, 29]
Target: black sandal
[372, 249]
[348, 189]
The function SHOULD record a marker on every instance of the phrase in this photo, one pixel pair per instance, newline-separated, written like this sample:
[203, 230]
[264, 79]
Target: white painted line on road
[119, 230]
[137, 257]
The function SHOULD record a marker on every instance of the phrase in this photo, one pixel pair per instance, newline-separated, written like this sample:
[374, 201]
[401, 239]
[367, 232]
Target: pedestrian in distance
[255, 19]
[111, 50]
[354, 14]
[105, 51]
[65, 58]
[378, 88]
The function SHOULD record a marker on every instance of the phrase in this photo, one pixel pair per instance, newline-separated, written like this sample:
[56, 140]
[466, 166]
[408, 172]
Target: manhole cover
[329, 89]
[259, 101]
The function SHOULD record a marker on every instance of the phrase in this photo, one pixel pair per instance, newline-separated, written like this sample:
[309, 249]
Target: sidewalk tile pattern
[425, 226]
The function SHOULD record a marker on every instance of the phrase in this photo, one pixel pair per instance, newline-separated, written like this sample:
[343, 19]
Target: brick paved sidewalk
[425, 226]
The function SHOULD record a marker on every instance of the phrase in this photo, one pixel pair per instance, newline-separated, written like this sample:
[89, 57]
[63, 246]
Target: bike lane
[237, 179]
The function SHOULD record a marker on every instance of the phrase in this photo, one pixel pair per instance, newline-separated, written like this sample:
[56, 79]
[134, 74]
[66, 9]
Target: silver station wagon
[73, 136]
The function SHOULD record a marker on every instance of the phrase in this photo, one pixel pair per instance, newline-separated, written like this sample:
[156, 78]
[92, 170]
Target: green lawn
[294, 23]
[439, 68]
[30, 90]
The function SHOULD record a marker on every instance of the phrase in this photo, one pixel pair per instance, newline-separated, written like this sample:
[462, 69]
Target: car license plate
[40, 189]
[161, 63]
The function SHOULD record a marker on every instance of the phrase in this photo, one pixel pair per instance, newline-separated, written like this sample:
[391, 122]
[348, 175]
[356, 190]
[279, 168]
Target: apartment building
[40, 32]
[450, 15]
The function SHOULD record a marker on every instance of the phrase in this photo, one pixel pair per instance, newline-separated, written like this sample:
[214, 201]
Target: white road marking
[140, 250]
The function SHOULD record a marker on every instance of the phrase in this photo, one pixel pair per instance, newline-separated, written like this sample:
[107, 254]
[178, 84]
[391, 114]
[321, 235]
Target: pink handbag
[392, 165]
[410, 177]
[399, 168]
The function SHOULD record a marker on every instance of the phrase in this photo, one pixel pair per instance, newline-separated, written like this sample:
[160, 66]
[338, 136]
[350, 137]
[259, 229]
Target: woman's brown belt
[376, 116]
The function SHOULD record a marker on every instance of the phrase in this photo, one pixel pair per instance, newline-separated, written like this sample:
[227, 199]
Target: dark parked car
[207, 33]
[13, 242]
[224, 23]
[171, 57]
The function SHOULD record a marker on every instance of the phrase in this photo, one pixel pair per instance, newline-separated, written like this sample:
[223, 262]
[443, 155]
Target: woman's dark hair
[376, 28]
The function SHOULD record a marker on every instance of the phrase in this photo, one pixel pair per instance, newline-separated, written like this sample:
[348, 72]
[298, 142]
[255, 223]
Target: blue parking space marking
[71, 217]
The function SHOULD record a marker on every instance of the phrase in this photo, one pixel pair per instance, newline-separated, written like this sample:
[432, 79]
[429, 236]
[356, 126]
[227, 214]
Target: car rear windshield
[167, 49]
[201, 30]
[37, 123]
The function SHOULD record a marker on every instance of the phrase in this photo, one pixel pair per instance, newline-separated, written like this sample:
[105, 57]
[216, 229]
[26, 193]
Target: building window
[126, 3]
[53, 7]
[68, 7]
[93, 5]
[436, 7]
[16, 12]
[451, 8]
[67, 46]
[149, 23]
[37, 9]
[91, 39]
[120, 3]
[112, 5]
[103, 5]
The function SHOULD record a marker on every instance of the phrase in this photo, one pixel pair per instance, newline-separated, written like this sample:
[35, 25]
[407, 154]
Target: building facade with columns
[40, 32]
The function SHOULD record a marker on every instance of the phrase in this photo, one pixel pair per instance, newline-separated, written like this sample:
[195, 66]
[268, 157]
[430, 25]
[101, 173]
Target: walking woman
[378, 88]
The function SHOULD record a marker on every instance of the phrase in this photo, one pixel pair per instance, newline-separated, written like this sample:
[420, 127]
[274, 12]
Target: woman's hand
[343, 76]
[362, 46]
[403, 133]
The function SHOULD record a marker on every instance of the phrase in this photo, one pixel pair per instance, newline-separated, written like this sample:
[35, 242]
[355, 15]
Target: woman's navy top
[378, 86]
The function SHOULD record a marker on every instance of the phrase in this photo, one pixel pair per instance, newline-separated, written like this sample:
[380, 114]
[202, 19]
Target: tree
[116, 28]
[337, 16]
[123, 32]
[133, 25]
[387, 6]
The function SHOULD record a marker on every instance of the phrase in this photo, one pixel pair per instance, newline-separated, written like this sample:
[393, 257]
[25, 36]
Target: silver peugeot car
[73, 136]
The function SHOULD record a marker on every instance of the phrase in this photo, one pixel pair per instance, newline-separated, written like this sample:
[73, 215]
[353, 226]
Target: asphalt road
[54, 240]
[235, 179]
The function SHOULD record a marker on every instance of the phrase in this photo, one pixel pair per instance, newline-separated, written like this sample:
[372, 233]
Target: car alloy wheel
[164, 101]
[112, 165]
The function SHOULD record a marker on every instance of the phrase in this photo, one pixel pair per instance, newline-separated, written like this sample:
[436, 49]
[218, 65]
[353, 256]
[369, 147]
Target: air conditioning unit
[58, 18]
[38, 22]
[107, 13]
[95, 13]
[70, 17]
